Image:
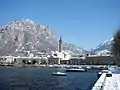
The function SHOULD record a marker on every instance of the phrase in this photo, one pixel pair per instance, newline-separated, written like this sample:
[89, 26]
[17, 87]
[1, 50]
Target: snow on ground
[112, 83]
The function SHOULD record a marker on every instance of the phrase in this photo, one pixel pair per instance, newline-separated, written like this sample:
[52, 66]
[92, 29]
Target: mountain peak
[21, 36]
[104, 47]
[21, 21]
[28, 20]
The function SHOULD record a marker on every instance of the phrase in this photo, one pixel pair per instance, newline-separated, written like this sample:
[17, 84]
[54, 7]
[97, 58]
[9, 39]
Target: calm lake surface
[37, 78]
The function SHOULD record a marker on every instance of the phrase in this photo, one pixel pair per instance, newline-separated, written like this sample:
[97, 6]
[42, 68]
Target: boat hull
[75, 70]
[59, 74]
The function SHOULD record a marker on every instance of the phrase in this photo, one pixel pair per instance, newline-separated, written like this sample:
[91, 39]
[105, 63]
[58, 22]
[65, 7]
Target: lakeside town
[60, 45]
[59, 57]
[73, 63]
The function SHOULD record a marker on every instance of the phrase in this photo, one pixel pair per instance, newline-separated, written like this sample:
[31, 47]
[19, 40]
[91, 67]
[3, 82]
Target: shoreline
[60, 66]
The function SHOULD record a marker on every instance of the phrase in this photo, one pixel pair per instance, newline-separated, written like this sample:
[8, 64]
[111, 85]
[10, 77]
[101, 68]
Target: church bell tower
[60, 49]
[60, 45]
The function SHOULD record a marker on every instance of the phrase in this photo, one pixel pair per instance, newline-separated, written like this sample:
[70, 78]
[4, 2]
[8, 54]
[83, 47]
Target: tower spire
[60, 44]
[60, 48]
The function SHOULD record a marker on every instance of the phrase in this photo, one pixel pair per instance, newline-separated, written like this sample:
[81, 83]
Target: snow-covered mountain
[103, 48]
[19, 37]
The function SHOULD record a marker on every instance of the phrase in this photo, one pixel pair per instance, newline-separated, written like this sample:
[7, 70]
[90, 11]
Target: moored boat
[108, 73]
[98, 68]
[6, 64]
[59, 74]
[51, 66]
[76, 70]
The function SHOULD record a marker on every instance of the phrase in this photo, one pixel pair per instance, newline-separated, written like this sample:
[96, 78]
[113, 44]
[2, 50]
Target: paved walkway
[112, 83]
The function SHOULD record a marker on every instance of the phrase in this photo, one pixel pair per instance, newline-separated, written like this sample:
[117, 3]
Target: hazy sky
[85, 23]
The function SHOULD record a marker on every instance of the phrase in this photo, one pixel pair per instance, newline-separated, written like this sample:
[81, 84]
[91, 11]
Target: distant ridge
[104, 47]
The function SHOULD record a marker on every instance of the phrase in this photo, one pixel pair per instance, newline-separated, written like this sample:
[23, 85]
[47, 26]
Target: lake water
[37, 78]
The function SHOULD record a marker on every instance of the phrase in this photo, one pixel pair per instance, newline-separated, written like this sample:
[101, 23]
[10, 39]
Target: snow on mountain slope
[21, 36]
[104, 47]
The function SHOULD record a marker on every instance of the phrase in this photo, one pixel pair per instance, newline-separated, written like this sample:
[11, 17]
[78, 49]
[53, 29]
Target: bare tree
[116, 47]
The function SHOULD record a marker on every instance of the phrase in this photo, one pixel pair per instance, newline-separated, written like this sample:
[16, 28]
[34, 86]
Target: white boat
[51, 66]
[108, 73]
[67, 66]
[75, 70]
[59, 74]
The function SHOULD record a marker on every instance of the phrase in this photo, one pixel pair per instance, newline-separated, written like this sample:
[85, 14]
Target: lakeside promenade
[112, 83]
[107, 83]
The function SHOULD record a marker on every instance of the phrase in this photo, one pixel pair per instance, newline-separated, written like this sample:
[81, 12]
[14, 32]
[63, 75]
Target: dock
[107, 83]
[112, 83]
[100, 82]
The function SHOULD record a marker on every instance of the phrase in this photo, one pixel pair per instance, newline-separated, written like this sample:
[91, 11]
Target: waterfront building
[7, 59]
[63, 56]
[66, 58]
[60, 56]
[30, 60]
[82, 60]
[77, 60]
[100, 60]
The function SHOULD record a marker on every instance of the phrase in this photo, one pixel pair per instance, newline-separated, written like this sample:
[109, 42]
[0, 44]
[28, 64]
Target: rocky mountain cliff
[22, 36]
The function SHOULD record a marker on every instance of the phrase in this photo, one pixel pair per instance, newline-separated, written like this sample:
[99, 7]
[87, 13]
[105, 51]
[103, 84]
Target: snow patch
[107, 42]
[103, 52]
[30, 21]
